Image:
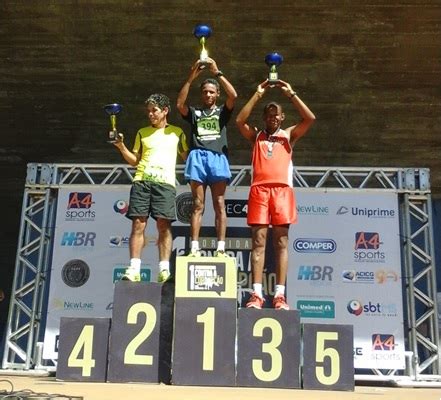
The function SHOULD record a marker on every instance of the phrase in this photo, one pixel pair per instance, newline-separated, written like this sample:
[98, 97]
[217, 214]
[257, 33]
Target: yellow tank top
[158, 148]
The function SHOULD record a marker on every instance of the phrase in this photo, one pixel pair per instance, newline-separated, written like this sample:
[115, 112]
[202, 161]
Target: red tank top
[272, 159]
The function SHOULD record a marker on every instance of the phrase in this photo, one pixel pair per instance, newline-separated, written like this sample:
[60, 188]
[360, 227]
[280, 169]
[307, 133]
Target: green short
[152, 199]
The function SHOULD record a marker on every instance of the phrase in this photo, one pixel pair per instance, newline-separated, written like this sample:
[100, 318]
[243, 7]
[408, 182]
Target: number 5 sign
[328, 360]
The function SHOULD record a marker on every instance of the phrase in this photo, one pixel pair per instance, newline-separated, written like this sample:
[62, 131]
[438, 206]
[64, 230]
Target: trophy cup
[273, 60]
[202, 33]
[112, 110]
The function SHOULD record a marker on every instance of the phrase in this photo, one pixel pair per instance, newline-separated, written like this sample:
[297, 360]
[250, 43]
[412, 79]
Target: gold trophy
[202, 33]
[273, 60]
[112, 110]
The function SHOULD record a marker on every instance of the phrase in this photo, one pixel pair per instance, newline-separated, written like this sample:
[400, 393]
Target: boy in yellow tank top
[153, 189]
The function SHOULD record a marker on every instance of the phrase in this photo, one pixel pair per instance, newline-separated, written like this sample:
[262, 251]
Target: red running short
[271, 205]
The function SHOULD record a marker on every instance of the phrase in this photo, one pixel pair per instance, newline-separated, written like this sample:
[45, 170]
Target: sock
[195, 245]
[257, 288]
[280, 290]
[221, 245]
[164, 265]
[135, 263]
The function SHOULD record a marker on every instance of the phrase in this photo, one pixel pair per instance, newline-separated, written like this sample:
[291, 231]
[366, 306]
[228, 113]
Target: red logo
[367, 241]
[80, 200]
[381, 341]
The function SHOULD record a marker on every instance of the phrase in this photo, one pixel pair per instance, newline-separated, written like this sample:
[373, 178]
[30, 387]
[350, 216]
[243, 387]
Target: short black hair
[158, 99]
[271, 105]
[212, 82]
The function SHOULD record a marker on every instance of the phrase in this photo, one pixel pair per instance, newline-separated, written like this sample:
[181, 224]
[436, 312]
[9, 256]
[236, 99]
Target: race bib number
[208, 128]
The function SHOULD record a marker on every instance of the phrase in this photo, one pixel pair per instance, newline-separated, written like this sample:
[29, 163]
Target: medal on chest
[270, 142]
[270, 145]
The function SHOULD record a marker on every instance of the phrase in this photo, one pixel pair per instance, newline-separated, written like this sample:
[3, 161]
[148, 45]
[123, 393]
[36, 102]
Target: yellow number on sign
[270, 348]
[85, 343]
[321, 353]
[150, 321]
[207, 318]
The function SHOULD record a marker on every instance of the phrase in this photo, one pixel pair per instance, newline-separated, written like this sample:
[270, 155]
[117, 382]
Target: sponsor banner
[316, 309]
[205, 277]
[350, 260]
[90, 249]
[344, 260]
[119, 270]
[311, 245]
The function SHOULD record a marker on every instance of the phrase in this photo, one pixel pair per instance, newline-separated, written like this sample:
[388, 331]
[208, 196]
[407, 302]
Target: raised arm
[308, 118]
[226, 85]
[183, 93]
[241, 120]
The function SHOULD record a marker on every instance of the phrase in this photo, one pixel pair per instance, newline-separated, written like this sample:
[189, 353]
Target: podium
[82, 354]
[134, 336]
[268, 344]
[214, 344]
[205, 321]
[328, 359]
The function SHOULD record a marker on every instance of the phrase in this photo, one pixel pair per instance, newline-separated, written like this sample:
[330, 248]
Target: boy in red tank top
[271, 200]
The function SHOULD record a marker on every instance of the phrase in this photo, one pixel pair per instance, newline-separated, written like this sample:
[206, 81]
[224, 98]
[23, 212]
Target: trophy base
[203, 64]
[273, 82]
[273, 78]
[115, 137]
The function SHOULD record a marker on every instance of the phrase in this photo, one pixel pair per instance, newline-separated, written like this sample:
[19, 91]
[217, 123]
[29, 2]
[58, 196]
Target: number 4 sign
[83, 349]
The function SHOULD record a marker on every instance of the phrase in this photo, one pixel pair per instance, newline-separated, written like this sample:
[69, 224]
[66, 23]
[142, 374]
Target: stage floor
[113, 391]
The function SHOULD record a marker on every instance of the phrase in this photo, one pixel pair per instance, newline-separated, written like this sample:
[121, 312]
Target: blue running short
[207, 167]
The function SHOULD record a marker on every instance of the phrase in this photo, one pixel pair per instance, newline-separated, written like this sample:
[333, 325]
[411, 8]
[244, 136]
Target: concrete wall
[370, 71]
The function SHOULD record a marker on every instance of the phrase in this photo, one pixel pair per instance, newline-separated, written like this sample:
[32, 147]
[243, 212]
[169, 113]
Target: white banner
[345, 267]
[90, 252]
[344, 260]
